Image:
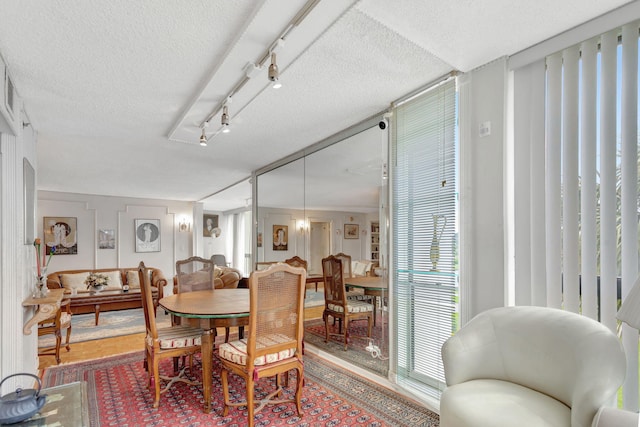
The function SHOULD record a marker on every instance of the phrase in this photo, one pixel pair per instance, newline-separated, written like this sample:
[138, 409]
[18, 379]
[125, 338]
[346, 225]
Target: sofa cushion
[74, 281]
[499, 403]
[114, 279]
[133, 279]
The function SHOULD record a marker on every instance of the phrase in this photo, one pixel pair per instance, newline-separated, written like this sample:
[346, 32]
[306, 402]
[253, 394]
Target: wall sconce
[302, 225]
[184, 225]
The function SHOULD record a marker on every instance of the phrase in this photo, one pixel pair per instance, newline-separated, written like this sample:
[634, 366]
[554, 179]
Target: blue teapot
[21, 404]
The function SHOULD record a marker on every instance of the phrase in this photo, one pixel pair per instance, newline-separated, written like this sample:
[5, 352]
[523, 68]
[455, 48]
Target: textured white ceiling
[117, 90]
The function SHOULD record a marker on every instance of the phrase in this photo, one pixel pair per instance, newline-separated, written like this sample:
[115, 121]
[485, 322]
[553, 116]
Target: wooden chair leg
[224, 376]
[68, 338]
[250, 406]
[346, 331]
[156, 380]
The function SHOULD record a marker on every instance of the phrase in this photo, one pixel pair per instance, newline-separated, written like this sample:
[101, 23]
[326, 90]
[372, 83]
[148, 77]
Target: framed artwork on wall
[106, 239]
[351, 231]
[280, 237]
[210, 226]
[147, 235]
[62, 233]
[259, 239]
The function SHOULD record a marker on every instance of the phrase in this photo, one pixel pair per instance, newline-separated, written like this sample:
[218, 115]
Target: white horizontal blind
[425, 224]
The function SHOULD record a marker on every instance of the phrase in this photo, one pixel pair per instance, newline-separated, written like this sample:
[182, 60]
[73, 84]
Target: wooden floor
[124, 344]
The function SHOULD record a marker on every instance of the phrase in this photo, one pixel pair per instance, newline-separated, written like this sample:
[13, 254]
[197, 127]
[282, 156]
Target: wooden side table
[47, 307]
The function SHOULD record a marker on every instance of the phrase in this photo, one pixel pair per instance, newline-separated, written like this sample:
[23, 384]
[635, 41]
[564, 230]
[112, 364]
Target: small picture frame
[60, 232]
[259, 239]
[351, 231]
[106, 239]
[147, 235]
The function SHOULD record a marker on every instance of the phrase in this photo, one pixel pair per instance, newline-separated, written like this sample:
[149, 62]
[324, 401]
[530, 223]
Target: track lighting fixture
[224, 120]
[274, 73]
[203, 138]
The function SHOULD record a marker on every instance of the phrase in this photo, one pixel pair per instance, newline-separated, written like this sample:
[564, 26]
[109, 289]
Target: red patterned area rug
[119, 396]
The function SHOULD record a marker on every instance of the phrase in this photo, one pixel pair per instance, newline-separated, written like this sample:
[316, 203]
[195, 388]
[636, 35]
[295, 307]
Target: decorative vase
[40, 288]
[434, 252]
[97, 288]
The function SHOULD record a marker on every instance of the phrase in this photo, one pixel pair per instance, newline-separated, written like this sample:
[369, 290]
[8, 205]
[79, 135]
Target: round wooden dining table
[223, 308]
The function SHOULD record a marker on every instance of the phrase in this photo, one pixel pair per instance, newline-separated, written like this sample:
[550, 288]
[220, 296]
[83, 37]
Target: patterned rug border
[383, 403]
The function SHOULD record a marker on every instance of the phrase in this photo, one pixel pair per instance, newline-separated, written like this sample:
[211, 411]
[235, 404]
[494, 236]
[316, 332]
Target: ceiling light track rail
[251, 69]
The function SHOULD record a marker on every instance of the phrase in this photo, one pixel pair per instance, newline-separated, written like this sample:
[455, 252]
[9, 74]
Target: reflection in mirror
[332, 201]
[280, 213]
[232, 206]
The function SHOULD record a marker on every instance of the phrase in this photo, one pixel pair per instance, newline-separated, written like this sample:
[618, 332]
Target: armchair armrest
[53, 282]
[613, 417]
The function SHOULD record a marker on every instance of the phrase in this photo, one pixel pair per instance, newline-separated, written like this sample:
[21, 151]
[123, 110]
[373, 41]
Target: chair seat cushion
[65, 319]
[177, 337]
[353, 306]
[236, 351]
[495, 403]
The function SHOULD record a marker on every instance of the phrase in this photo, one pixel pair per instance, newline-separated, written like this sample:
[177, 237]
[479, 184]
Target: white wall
[94, 213]
[482, 189]
[18, 352]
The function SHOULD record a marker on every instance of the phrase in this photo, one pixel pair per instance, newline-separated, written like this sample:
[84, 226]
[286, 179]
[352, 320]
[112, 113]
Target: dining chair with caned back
[163, 343]
[336, 303]
[58, 322]
[296, 261]
[194, 274]
[274, 344]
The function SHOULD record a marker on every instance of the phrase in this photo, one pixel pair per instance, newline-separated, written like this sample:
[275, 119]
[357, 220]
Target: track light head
[203, 138]
[224, 120]
[274, 73]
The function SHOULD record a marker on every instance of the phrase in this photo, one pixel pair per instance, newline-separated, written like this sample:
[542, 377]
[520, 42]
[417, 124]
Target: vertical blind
[425, 233]
[591, 183]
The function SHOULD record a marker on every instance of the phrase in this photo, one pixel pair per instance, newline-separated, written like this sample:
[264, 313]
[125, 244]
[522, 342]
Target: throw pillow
[74, 281]
[133, 279]
[359, 268]
[115, 280]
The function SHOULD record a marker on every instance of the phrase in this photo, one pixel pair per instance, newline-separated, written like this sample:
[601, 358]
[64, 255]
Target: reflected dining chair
[220, 260]
[346, 264]
[58, 322]
[336, 303]
[274, 344]
[163, 343]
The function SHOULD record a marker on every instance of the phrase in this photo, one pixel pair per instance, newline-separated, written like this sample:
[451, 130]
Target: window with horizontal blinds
[425, 232]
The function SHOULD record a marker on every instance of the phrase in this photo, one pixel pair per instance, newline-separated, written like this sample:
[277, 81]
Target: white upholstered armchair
[529, 366]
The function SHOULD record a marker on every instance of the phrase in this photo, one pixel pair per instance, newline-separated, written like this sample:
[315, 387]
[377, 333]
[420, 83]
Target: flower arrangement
[41, 270]
[96, 281]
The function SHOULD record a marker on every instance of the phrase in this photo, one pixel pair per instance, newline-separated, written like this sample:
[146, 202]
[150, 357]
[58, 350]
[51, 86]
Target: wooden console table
[47, 307]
